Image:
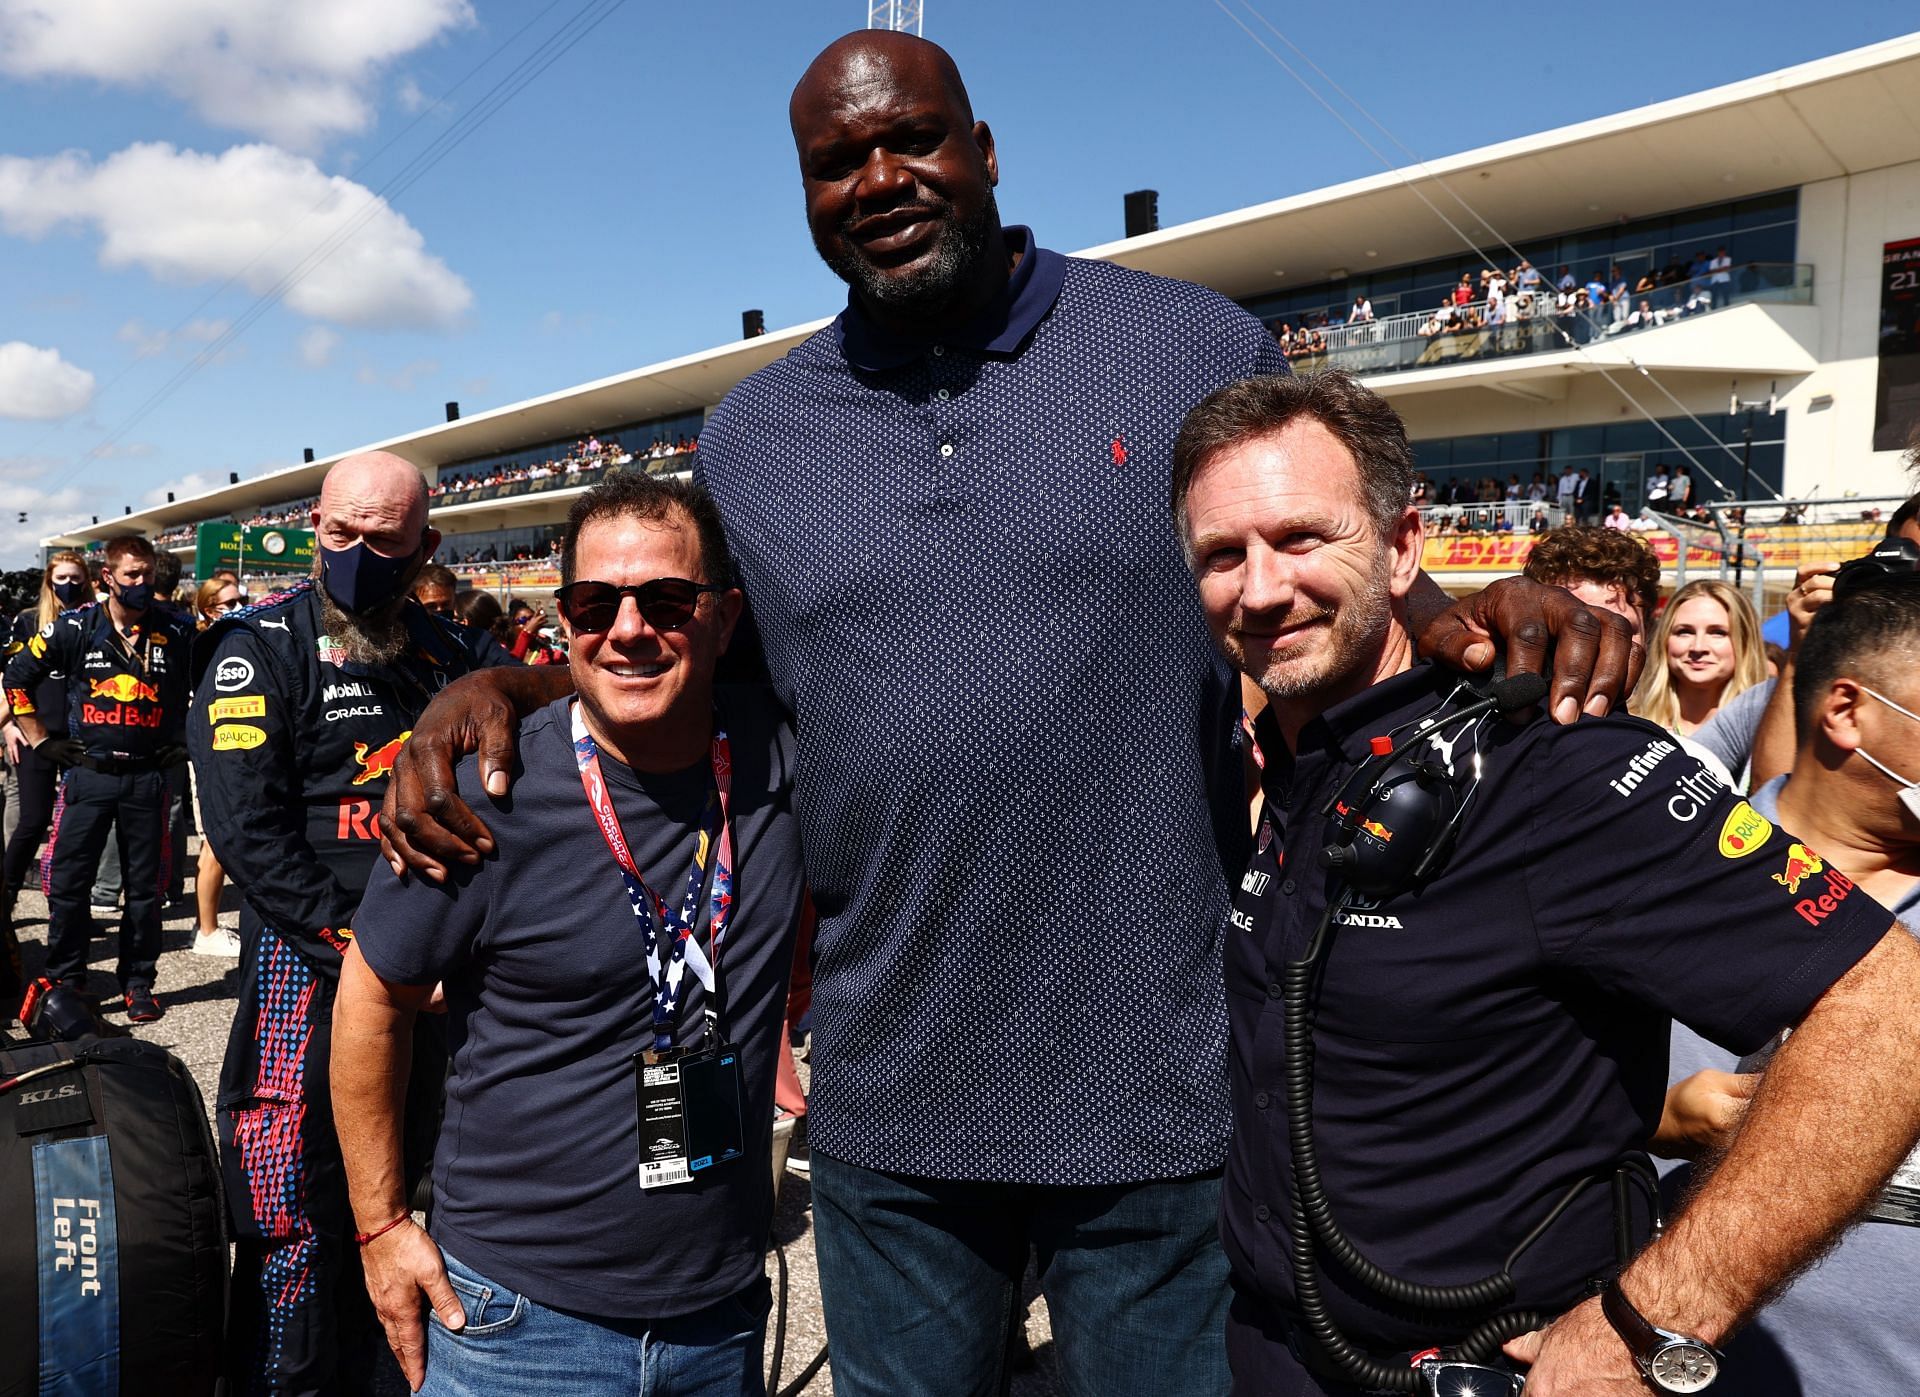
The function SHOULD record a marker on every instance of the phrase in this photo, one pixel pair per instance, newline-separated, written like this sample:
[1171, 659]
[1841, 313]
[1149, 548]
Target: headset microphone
[1397, 832]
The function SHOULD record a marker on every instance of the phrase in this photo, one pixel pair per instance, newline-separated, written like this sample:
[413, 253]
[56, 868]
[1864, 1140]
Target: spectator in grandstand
[215, 598]
[1537, 491]
[1705, 650]
[1565, 280]
[537, 1217]
[1463, 293]
[1528, 277]
[1617, 518]
[1720, 276]
[434, 589]
[1681, 488]
[1846, 1326]
[1361, 311]
[1582, 497]
[927, 1206]
[1659, 488]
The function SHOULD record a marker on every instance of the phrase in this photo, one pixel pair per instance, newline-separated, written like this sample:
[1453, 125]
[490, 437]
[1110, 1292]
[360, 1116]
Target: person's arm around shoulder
[1838, 1092]
[1775, 742]
[1596, 660]
[372, 1058]
[424, 824]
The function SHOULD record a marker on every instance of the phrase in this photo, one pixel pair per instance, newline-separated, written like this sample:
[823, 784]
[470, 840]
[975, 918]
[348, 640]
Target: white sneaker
[222, 941]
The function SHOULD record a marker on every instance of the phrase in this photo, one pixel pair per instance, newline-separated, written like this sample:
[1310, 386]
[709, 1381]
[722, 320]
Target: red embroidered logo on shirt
[1119, 452]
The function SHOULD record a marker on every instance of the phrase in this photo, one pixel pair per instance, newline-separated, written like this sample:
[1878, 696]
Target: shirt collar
[1344, 729]
[999, 329]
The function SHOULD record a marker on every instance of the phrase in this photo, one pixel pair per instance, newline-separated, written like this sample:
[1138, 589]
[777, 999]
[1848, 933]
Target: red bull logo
[122, 688]
[1377, 830]
[1802, 864]
[379, 761]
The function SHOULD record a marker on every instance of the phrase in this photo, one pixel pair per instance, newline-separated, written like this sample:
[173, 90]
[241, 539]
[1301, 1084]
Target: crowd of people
[1413, 980]
[587, 454]
[1527, 310]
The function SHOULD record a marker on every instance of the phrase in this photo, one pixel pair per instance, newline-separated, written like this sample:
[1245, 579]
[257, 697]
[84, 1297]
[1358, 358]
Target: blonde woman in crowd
[1705, 649]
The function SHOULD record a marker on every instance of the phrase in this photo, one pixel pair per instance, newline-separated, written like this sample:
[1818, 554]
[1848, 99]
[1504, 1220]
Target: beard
[1354, 634]
[942, 272]
[375, 639]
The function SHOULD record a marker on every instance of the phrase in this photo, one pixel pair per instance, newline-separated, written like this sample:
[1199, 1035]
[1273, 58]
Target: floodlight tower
[904, 15]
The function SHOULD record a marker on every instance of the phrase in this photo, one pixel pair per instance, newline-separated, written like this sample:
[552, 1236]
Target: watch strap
[1640, 1337]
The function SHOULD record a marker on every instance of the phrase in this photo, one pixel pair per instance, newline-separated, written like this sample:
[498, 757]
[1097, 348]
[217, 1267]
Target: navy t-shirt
[1486, 1041]
[536, 1178]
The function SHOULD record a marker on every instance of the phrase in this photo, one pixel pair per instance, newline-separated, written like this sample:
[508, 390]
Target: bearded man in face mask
[126, 665]
[301, 704]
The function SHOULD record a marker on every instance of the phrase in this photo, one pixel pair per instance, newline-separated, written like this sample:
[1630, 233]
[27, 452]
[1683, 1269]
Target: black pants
[36, 781]
[93, 807]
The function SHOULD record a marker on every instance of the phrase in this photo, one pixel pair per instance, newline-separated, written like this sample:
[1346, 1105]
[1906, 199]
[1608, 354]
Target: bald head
[899, 180]
[867, 61]
[376, 496]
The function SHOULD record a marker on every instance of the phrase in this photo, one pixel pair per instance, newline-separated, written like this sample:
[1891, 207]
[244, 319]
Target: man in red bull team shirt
[126, 703]
[301, 705]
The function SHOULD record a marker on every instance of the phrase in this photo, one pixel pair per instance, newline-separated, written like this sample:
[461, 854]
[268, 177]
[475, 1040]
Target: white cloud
[296, 71]
[412, 100]
[254, 213]
[186, 487]
[402, 379]
[149, 342]
[48, 512]
[316, 345]
[37, 383]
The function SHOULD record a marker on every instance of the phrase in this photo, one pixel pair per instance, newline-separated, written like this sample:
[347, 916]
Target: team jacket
[124, 698]
[292, 747]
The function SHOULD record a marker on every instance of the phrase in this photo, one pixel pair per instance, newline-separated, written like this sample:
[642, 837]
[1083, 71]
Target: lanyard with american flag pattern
[712, 867]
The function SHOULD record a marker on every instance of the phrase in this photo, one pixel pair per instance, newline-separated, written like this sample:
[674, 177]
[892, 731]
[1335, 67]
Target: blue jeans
[919, 1278]
[513, 1344]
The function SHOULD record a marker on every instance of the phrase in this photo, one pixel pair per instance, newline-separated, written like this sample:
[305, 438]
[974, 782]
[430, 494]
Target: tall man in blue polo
[126, 707]
[1017, 786]
[637, 926]
[1429, 1069]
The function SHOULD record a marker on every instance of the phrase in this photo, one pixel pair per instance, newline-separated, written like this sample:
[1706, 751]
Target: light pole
[1748, 406]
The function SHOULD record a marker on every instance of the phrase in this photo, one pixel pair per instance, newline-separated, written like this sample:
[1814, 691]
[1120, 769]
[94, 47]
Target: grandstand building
[1767, 232]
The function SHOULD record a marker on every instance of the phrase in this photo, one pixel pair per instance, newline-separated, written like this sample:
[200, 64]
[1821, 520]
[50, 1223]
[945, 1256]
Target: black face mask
[136, 598]
[70, 594]
[360, 580]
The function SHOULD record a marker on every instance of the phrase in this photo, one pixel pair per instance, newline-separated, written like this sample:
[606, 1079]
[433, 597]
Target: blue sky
[163, 163]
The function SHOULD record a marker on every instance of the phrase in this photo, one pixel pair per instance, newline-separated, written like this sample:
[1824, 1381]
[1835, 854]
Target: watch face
[1683, 1368]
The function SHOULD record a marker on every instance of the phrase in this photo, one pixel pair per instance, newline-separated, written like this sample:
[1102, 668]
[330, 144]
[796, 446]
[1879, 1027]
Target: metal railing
[1761, 544]
[1492, 517]
[1532, 323]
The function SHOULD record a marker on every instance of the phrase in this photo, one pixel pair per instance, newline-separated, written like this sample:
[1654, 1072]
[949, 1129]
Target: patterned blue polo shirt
[1016, 786]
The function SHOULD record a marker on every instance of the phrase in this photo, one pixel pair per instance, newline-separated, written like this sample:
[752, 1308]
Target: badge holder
[690, 1113]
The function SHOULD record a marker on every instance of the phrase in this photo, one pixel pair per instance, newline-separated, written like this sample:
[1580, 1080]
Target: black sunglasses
[666, 603]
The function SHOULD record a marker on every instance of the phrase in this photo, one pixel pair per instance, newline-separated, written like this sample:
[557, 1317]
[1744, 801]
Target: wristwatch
[1669, 1362]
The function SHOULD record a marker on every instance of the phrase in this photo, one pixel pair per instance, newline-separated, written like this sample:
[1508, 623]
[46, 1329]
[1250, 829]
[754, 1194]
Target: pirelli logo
[240, 706]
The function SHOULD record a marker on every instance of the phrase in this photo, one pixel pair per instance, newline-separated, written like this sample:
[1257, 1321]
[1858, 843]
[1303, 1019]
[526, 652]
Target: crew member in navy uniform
[126, 662]
[1431, 1060]
[301, 703]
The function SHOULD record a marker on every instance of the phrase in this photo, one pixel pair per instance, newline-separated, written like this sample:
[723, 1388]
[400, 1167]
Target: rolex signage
[252, 548]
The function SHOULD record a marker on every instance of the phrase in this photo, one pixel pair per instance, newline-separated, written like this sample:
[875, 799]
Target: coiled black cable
[1312, 1216]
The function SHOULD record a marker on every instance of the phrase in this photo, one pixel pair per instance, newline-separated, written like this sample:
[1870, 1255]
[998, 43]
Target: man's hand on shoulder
[424, 825]
[1578, 1355]
[1596, 661]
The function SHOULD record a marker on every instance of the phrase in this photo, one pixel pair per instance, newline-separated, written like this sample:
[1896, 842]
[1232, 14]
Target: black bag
[113, 1249]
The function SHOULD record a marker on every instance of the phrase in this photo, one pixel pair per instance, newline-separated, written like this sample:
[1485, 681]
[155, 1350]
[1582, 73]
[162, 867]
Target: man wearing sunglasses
[1015, 743]
[591, 1217]
[300, 705]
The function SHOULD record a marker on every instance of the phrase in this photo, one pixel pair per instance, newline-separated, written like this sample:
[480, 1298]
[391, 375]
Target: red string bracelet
[362, 1238]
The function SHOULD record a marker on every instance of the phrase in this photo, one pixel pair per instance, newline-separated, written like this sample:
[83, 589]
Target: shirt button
[1262, 1100]
[946, 448]
[943, 395]
[938, 350]
[1286, 886]
[1263, 1212]
[1275, 990]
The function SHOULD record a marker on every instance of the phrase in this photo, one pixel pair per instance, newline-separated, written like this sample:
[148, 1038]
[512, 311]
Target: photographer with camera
[1451, 967]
